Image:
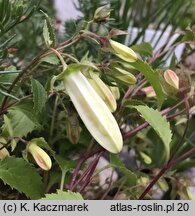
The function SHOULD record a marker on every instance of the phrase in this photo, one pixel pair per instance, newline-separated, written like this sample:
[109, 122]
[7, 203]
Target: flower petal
[103, 91]
[93, 111]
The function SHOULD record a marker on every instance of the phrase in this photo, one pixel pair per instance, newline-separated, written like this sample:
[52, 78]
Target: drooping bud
[102, 14]
[185, 80]
[3, 152]
[72, 125]
[115, 91]
[123, 52]
[149, 91]
[41, 157]
[146, 158]
[103, 91]
[93, 111]
[171, 78]
[124, 76]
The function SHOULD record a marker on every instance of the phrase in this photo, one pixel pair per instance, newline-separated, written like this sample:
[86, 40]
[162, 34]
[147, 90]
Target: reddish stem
[172, 161]
[80, 163]
[91, 171]
[145, 124]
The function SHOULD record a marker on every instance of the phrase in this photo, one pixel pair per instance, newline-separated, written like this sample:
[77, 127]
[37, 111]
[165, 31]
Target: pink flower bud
[149, 91]
[41, 157]
[171, 78]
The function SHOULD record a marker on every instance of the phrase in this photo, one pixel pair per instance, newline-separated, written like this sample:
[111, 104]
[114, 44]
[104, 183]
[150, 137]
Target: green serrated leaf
[153, 78]
[65, 165]
[46, 36]
[20, 175]
[62, 195]
[143, 49]
[39, 95]
[158, 123]
[51, 59]
[49, 31]
[116, 162]
[22, 118]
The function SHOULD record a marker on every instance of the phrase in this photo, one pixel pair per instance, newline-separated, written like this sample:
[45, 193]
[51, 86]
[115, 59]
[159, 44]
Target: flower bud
[3, 152]
[41, 157]
[185, 80]
[146, 158]
[124, 76]
[103, 91]
[149, 91]
[123, 52]
[72, 125]
[102, 14]
[171, 78]
[115, 91]
[93, 111]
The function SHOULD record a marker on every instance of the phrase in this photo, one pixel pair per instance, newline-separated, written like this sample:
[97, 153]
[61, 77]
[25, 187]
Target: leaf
[132, 102]
[8, 95]
[51, 59]
[143, 49]
[49, 34]
[115, 162]
[65, 165]
[189, 35]
[9, 129]
[163, 184]
[46, 36]
[62, 195]
[3, 45]
[22, 120]
[20, 175]
[10, 72]
[158, 123]
[153, 78]
[39, 95]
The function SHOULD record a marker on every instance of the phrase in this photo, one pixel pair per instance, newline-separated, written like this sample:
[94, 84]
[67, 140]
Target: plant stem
[187, 105]
[164, 169]
[152, 183]
[19, 77]
[80, 163]
[91, 171]
[53, 119]
[145, 124]
[62, 180]
[60, 57]
[171, 160]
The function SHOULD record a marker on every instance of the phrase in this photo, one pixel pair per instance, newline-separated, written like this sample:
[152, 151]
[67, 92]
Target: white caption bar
[96, 207]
